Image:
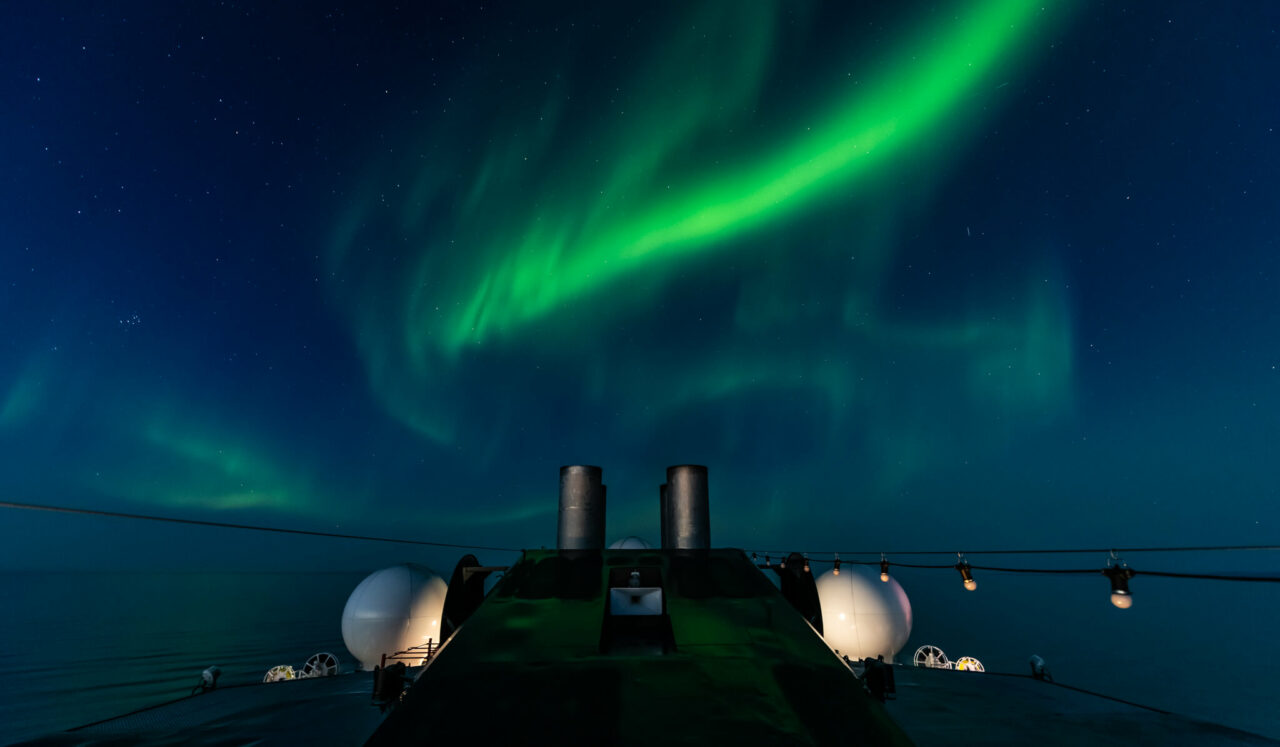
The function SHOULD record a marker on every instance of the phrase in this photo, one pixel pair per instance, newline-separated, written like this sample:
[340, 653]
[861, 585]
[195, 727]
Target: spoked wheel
[321, 665]
[280, 674]
[931, 657]
[969, 664]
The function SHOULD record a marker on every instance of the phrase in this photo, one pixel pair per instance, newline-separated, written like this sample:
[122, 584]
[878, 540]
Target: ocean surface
[80, 647]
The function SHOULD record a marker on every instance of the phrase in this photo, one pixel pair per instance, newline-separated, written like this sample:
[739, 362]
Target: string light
[767, 564]
[1119, 573]
[966, 573]
[783, 563]
[1010, 551]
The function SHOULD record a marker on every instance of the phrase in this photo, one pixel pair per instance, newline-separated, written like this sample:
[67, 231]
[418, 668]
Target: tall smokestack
[688, 508]
[581, 508]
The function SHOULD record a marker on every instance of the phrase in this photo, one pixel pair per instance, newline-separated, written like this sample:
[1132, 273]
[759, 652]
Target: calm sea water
[76, 647]
[82, 647]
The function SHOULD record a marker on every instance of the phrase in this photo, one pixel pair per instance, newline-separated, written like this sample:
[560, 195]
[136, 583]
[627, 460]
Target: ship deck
[934, 707]
[325, 710]
[948, 707]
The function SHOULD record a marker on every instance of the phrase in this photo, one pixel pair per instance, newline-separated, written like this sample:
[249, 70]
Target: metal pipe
[664, 513]
[688, 507]
[582, 497]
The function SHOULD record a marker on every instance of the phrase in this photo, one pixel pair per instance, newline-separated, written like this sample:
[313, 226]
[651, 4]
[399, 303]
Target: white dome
[392, 610]
[630, 543]
[863, 616]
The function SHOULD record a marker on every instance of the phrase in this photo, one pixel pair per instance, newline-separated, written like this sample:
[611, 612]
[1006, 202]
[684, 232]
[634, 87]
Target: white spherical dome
[392, 610]
[863, 616]
[630, 543]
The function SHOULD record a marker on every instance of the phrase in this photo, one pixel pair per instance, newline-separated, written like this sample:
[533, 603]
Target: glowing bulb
[884, 571]
[967, 575]
[806, 564]
[836, 572]
[970, 584]
[1120, 574]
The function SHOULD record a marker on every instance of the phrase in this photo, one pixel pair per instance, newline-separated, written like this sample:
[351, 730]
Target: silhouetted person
[873, 677]
[886, 672]
[388, 684]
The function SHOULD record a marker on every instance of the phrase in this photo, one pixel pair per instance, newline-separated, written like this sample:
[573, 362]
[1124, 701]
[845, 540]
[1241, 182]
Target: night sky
[958, 275]
[966, 274]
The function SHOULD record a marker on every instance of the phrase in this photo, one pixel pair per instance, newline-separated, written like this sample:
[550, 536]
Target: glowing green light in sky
[572, 210]
[542, 272]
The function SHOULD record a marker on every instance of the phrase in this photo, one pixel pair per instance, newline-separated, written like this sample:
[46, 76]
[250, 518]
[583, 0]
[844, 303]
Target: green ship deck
[730, 660]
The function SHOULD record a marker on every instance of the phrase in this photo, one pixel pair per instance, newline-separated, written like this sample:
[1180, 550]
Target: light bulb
[970, 584]
[1121, 597]
[884, 571]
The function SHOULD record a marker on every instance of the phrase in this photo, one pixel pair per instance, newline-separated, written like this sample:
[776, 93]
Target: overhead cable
[1077, 551]
[229, 525]
[885, 564]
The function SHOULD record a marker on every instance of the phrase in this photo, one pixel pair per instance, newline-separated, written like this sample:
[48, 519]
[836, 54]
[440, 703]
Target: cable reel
[322, 664]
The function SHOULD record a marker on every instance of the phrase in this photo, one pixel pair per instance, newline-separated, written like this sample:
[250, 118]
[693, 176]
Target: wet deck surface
[945, 707]
[934, 707]
[329, 710]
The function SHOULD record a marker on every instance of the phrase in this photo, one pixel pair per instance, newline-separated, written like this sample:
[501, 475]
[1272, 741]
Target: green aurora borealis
[547, 244]
[877, 261]
[564, 253]
[939, 275]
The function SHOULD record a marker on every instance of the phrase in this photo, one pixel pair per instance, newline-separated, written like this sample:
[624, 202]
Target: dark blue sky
[388, 269]
[960, 275]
